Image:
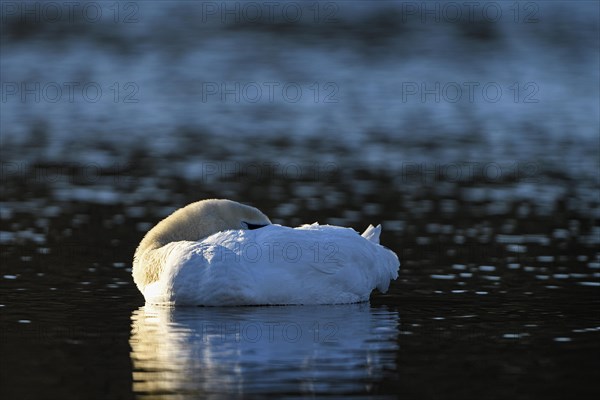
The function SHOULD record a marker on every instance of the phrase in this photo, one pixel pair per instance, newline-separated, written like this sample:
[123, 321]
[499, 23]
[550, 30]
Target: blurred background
[468, 129]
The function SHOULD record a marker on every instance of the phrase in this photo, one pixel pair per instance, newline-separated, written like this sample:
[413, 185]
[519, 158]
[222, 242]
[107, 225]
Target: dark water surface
[491, 304]
[491, 201]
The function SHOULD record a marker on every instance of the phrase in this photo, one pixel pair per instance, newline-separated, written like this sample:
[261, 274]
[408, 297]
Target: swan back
[312, 264]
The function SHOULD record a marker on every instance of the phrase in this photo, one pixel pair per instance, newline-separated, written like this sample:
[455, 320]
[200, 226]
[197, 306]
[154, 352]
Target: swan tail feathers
[388, 267]
[372, 233]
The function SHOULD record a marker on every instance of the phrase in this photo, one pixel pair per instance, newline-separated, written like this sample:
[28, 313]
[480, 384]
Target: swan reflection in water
[261, 350]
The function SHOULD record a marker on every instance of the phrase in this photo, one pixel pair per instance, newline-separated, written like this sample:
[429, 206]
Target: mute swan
[220, 252]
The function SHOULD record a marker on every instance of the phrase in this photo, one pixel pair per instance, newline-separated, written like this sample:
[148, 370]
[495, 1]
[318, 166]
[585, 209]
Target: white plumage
[312, 264]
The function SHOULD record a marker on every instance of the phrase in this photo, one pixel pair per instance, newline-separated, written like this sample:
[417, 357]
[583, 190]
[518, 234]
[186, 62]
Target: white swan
[213, 253]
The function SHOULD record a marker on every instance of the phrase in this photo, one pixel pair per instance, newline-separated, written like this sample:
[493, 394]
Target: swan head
[193, 222]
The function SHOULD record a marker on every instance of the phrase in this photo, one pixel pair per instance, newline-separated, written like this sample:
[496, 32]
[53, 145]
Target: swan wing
[313, 264]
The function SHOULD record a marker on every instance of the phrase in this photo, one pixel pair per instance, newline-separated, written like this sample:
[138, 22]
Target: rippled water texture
[492, 206]
[262, 350]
